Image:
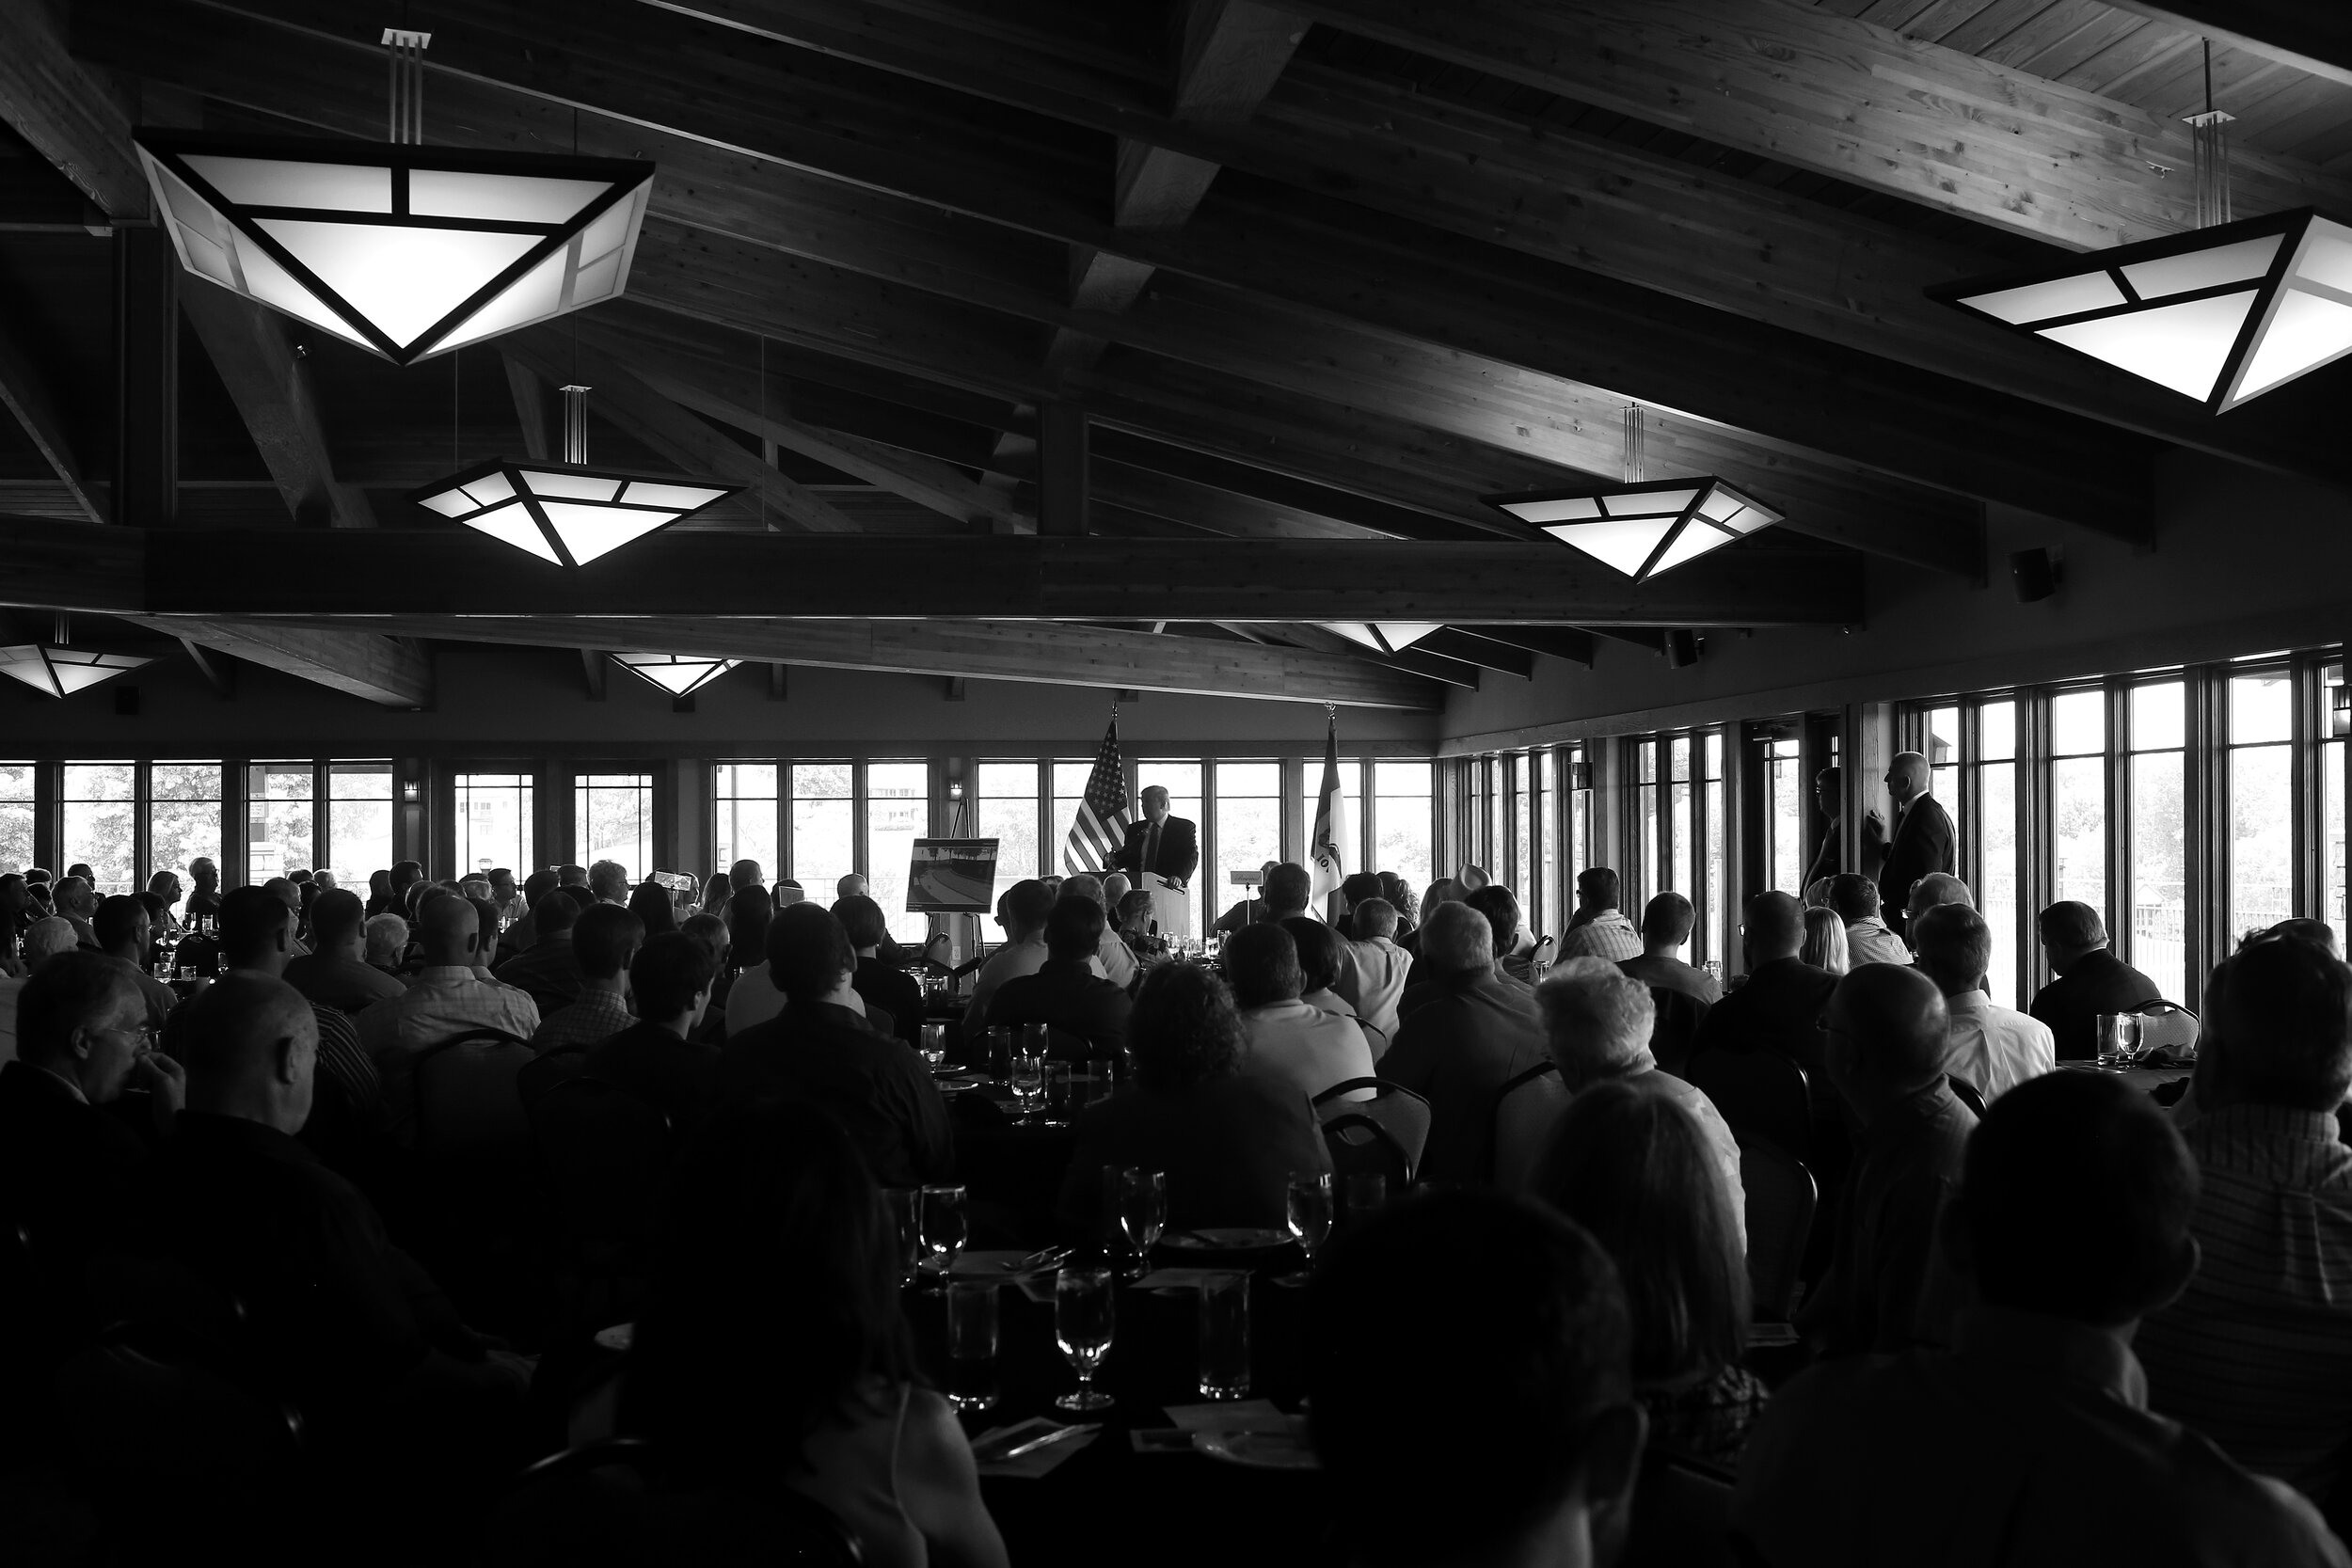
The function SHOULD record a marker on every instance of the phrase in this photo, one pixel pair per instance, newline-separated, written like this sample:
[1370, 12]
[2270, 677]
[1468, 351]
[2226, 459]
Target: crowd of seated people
[2153, 1367]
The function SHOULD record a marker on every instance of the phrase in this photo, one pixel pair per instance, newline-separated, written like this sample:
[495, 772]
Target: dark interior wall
[2243, 563]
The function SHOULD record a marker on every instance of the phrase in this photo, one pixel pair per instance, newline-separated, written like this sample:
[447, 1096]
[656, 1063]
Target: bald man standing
[1922, 840]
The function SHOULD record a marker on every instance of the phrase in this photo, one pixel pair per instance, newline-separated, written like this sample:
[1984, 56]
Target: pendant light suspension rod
[404, 59]
[64, 628]
[1632, 460]
[576, 426]
[2209, 151]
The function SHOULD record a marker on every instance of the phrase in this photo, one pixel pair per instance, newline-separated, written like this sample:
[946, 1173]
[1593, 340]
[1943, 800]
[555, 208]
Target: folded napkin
[1231, 1416]
[989, 1447]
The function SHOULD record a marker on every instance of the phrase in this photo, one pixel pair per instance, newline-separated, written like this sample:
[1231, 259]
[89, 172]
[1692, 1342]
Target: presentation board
[952, 875]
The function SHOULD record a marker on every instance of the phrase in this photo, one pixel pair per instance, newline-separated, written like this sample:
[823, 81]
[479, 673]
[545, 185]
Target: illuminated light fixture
[566, 513]
[679, 675]
[1642, 527]
[403, 250]
[1384, 637]
[56, 669]
[2220, 315]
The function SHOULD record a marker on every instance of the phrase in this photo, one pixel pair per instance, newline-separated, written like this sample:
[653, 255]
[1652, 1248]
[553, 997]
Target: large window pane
[1548, 840]
[2078, 820]
[98, 825]
[1523, 832]
[1182, 779]
[1248, 825]
[1678, 825]
[2331, 833]
[613, 820]
[2157, 945]
[1646, 867]
[359, 820]
[1943, 745]
[1785, 818]
[183, 824]
[1491, 856]
[493, 826]
[1070, 788]
[822, 849]
[16, 816]
[1996, 899]
[1401, 794]
[744, 815]
[898, 810]
[2159, 717]
[281, 819]
[1581, 820]
[2262, 887]
[1007, 812]
[2261, 707]
[1715, 934]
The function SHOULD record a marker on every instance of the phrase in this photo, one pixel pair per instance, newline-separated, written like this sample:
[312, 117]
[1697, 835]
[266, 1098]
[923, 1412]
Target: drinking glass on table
[943, 1231]
[972, 1343]
[1310, 1216]
[1142, 1212]
[1082, 1326]
[2119, 1040]
[1037, 1039]
[1028, 1081]
[999, 1050]
[1225, 1335]
[935, 1045]
[906, 1219]
[1058, 1078]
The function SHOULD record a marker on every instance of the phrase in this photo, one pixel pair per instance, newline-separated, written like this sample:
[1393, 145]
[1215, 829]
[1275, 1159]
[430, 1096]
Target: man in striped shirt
[2257, 1353]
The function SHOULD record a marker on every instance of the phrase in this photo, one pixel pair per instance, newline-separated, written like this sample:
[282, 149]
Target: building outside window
[183, 821]
[281, 819]
[898, 810]
[743, 816]
[493, 819]
[823, 839]
[1007, 810]
[613, 820]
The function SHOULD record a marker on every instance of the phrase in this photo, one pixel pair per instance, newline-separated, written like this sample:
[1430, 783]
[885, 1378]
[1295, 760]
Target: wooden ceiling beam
[2307, 37]
[269, 380]
[26, 392]
[69, 119]
[1557, 641]
[382, 668]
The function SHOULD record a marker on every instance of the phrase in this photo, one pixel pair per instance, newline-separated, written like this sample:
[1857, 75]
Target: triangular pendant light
[1384, 637]
[566, 513]
[60, 669]
[2221, 314]
[1642, 528]
[679, 675]
[404, 250]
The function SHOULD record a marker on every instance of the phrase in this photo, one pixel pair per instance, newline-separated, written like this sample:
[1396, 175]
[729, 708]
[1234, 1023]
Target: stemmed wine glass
[943, 1231]
[1310, 1204]
[1142, 1212]
[1082, 1326]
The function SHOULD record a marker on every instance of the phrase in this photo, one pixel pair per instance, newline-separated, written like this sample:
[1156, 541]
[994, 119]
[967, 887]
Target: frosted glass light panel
[404, 250]
[1384, 637]
[679, 675]
[61, 672]
[563, 512]
[2221, 315]
[1642, 529]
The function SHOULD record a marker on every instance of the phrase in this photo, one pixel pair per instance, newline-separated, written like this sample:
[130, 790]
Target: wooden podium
[1171, 905]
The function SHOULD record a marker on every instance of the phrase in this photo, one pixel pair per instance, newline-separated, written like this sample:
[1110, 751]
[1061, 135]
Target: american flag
[1099, 826]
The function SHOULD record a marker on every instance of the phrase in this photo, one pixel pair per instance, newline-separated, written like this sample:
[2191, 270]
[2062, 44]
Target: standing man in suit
[1160, 843]
[1921, 842]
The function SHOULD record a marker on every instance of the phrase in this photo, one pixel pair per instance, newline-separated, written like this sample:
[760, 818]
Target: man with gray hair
[2090, 980]
[1933, 891]
[1457, 1048]
[44, 938]
[609, 881]
[1596, 1022]
[77, 902]
[1921, 840]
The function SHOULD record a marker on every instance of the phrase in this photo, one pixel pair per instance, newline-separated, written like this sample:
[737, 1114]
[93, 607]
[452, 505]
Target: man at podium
[1161, 854]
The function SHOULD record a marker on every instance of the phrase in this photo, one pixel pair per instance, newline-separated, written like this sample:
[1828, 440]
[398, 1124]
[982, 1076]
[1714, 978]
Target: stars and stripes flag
[1099, 826]
[1325, 846]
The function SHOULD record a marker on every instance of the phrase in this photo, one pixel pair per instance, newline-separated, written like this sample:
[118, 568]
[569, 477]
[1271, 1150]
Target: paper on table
[1231, 1416]
[992, 1263]
[1037, 1462]
[1178, 1279]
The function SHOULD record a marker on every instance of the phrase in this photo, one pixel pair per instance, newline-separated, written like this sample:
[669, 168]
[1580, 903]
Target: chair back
[1676, 1028]
[1360, 1146]
[1966, 1093]
[467, 1108]
[546, 1069]
[611, 1504]
[1781, 1199]
[2167, 1026]
[1525, 1110]
[1401, 1113]
[1758, 1091]
[606, 1153]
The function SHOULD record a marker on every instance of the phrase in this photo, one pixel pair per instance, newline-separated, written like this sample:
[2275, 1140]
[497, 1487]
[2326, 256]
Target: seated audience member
[523, 935]
[1065, 993]
[1597, 1025]
[386, 940]
[1779, 1008]
[750, 914]
[1868, 940]
[449, 999]
[655, 909]
[487, 916]
[1501, 1428]
[1228, 1142]
[1599, 929]
[1993, 1049]
[204, 879]
[1887, 1044]
[820, 1049]
[507, 897]
[604, 939]
[2257, 1353]
[885, 987]
[657, 1057]
[379, 892]
[1321, 962]
[2029, 1441]
[710, 930]
[743, 874]
[1284, 1039]
[336, 971]
[69, 1164]
[1639, 1173]
[1935, 887]
[1824, 946]
[289, 893]
[787, 1367]
[609, 881]
[352, 1327]
[2302, 929]
[1249, 909]
[2090, 980]
[77, 902]
[1399, 892]
[1666, 922]
[1112, 955]
[120, 925]
[1136, 926]
[1817, 894]
[1373, 968]
[1457, 1050]
[1285, 893]
[1021, 918]
[549, 968]
[1514, 949]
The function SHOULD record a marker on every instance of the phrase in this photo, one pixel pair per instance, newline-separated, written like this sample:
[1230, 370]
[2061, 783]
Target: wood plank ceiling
[1208, 271]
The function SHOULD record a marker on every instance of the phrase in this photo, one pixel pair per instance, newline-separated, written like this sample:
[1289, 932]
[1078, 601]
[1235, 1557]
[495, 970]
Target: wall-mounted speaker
[1682, 649]
[2035, 574]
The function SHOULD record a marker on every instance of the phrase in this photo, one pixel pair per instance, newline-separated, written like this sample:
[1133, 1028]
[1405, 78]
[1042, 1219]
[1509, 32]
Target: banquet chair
[2167, 1026]
[611, 1504]
[605, 1153]
[1759, 1091]
[1965, 1092]
[1679, 1015]
[1401, 1113]
[467, 1108]
[1361, 1147]
[1525, 1110]
[548, 1069]
[1781, 1199]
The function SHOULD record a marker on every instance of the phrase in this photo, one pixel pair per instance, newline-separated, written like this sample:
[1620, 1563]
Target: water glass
[1082, 1327]
[906, 1219]
[1000, 1050]
[935, 1045]
[943, 1231]
[1310, 1207]
[1361, 1196]
[1142, 1212]
[1225, 1335]
[1037, 1039]
[1028, 1081]
[972, 1343]
[2119, 1040]
[1058, 1088]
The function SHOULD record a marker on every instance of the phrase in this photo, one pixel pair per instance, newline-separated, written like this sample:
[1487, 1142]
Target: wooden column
[147, 378]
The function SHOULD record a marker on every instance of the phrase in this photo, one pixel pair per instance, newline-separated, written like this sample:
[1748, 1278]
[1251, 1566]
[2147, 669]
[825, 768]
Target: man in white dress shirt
[1993, 1049]
[1373, 967]
[1287, 1038]
[1869, 939]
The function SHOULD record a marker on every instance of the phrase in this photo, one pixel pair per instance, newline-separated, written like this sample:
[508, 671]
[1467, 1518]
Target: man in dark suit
[1087, 1011]
[1168, 845]
[1921, 842]
[1779, 1008]
[2090, 980]
[1459, 1049]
